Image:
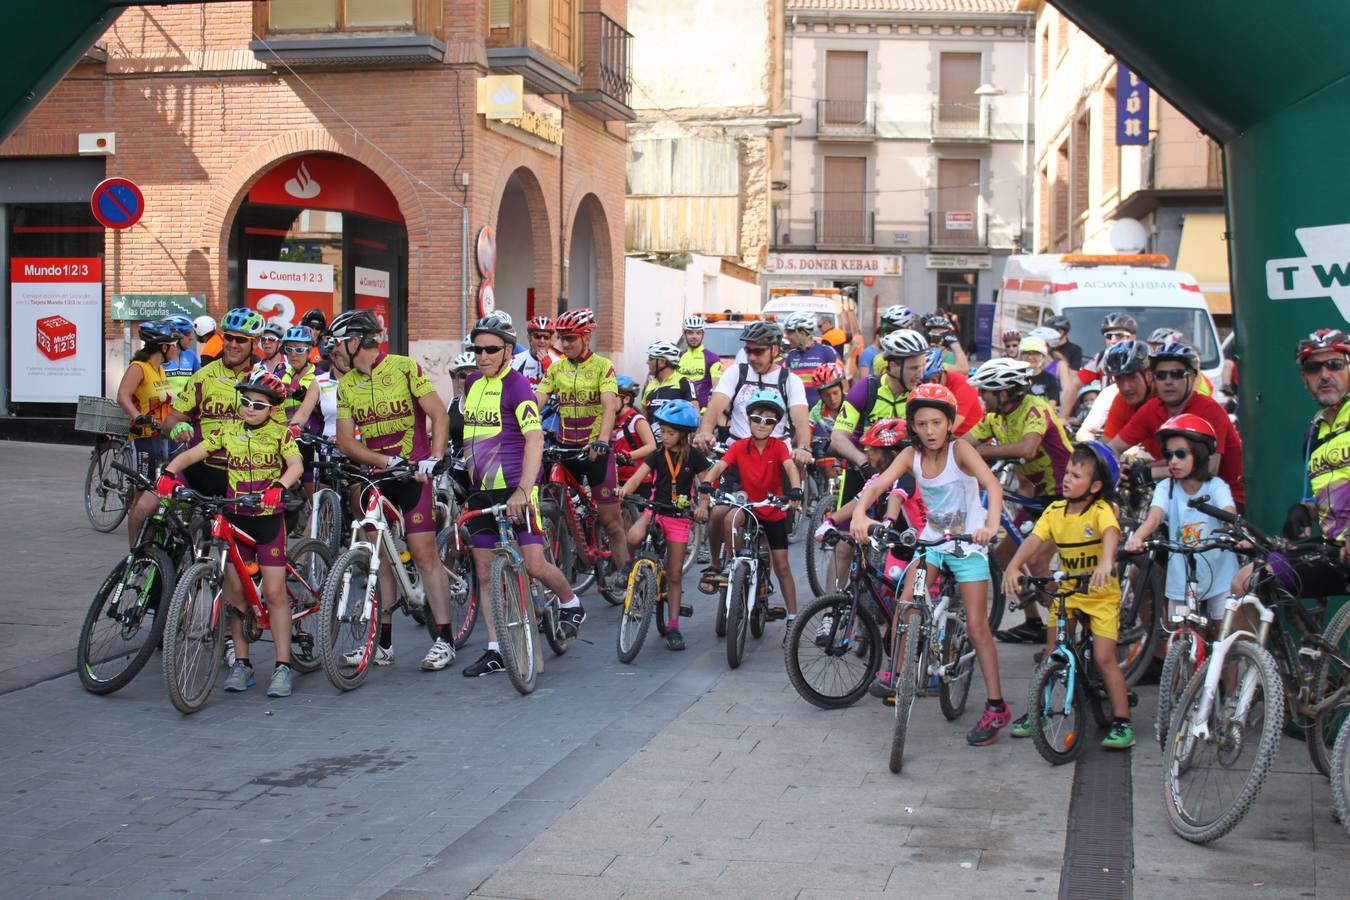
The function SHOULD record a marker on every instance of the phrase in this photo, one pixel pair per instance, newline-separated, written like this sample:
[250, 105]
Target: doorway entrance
[956, 294]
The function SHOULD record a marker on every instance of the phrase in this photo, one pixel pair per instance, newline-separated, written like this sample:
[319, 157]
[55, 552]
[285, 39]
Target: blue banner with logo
[1131, 107]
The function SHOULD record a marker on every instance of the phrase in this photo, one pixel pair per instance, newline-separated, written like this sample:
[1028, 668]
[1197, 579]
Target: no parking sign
[117, 203]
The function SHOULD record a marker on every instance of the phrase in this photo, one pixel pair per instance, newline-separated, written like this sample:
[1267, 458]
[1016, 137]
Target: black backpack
[744, 378]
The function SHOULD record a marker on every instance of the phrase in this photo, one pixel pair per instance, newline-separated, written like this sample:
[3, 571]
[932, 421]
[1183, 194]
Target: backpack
[873, 386]
[744, 378]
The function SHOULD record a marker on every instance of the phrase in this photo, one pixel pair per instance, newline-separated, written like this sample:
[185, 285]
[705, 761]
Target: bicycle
[327, 508]
[579, 541]
[520, 607]
[821, 569]
[125, 622]
[748, 585]
[107, 490]
[1066, 687]
[193, 645]
[645, 595]
[350, 616]
[937, 651]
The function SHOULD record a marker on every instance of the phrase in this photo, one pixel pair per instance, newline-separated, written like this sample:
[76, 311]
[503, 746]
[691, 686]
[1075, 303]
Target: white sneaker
[384, 656]
[439, 656]
[823, 631]
[825, 528]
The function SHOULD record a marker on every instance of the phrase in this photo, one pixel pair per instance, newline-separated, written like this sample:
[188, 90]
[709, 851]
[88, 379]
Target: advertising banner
[285, 291]
[56, 328]
[1131, 108]
[371, 292]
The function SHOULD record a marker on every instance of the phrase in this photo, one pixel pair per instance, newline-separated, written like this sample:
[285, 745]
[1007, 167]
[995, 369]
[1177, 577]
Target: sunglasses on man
[489, 349]
[1170, 374]
[1316, 366]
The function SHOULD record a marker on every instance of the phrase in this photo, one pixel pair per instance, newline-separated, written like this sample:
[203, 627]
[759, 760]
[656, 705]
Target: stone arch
[516, 176]
[588, 209]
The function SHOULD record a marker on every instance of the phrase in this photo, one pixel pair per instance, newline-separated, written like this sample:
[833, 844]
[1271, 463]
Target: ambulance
[1085, 287]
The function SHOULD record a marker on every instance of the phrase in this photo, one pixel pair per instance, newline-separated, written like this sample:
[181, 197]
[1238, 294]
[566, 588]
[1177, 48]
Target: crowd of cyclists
[911, 436]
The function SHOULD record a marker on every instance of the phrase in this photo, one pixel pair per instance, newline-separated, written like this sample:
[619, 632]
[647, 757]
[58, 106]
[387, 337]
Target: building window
[958, 200]
[549, 25]
[1082, 157]
[1060, 228]
[339, 15]
[1061, 35]
[1045, 190]
[842, 215]
[845, 88]
[958, 77]
[1045, 56]
[1110, 150]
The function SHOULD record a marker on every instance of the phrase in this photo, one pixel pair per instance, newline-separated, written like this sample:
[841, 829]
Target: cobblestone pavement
[670, 776]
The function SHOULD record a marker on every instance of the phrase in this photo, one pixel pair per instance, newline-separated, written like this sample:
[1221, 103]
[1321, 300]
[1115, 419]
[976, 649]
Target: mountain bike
[125, 622]
[198, 617]
[822, 568]
[520, 605]
[327, 508]
[349, 621]
[745, 598]
[1066, 687]
[580, 544]
[931, 649]
[645, 596]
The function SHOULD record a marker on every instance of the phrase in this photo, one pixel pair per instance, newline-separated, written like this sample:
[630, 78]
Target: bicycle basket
[100, 416]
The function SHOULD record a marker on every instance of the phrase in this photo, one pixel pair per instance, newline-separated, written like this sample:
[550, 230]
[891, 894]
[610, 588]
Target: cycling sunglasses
[255, 404]
[1315, 366]
[235, 339]
[1170, 374]
[1118, 336]
[763, 420]
[494, 348]
[1179, 453]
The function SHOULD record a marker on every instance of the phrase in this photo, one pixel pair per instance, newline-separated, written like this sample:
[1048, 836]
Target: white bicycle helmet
[203, 325]
[664, 350]
[800, 321]
[1050, 335]
[1001, 374]
[465, 360]
[903, 344]
[896, 317]
[695, 323]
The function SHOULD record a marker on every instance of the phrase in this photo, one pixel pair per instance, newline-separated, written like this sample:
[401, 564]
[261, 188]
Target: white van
[1085, 287]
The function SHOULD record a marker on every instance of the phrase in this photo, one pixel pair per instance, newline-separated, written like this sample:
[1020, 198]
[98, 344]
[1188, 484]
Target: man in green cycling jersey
[700, 365]
[400, 417]
[587, 391]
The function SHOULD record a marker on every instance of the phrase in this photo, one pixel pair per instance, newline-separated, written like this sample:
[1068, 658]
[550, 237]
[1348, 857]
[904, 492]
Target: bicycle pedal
[686, 611]
[774, 613]
[1134, 699]
[888, 700]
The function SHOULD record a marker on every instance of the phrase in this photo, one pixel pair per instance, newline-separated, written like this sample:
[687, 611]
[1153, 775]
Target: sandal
[710, 581]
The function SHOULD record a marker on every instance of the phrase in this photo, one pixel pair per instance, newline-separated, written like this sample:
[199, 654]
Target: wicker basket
[100, 416]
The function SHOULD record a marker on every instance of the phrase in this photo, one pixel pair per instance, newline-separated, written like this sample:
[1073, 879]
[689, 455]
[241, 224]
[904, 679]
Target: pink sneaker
[881, 686]
[986, 733]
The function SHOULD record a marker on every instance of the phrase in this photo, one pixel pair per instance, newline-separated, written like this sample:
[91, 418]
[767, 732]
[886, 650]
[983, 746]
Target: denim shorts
[971, 567]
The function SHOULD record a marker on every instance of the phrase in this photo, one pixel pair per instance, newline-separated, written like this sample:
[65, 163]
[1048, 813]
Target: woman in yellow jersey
[144, 396]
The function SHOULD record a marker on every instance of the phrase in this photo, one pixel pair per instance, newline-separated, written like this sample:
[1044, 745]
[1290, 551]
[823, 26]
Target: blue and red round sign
[117, 203]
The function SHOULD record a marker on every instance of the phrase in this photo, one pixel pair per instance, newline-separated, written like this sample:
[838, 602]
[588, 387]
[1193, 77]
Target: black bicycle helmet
[495, 323]
[1059, 323]
[160, 332]
[354, 323]
[1125, 358]
[1120, 322]
[762, 332]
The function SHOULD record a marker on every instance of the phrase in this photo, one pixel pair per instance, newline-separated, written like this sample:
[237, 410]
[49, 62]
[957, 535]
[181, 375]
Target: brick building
[353, 148]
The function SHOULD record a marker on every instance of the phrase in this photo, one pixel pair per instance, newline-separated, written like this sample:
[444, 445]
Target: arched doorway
[321, 231]
[589, 279]
[521, 282]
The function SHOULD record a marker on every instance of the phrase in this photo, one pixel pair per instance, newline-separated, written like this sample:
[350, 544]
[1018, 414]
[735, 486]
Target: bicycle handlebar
[498, 511]
[738, 498]
[909, 538]
[665, 509]
[1041, 582]
[1257, 536]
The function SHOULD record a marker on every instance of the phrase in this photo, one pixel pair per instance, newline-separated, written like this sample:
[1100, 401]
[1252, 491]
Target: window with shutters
[842, 215]
[549, 25]
[958, 110]
[958, 203]
[845, 106]
[288, 16]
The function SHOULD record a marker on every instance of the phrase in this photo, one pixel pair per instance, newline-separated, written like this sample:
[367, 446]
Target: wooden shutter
[958, 77]
[843, 208]
[958, 193]
[845, 87]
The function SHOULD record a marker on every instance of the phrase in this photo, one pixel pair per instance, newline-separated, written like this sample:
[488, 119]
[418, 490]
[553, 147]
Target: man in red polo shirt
[1175, 368]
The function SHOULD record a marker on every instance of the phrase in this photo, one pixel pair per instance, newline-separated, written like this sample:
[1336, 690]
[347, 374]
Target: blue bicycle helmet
[1108, 468]
[766, 398]
[678, 413]
[298, 334]
[158, 332]
[242, 321]
[627, 385]
[1125, 358]
[932, 363]
[180, 323]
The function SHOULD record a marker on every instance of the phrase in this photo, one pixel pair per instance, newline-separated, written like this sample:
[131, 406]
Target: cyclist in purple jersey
[806, 354]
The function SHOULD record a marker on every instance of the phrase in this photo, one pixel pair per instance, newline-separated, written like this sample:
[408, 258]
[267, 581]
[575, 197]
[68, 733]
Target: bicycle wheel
[605, 570]
[906, 685]
[549, 626]
[798, 518]
[310, 561]
[1340, 778]
[329, 519]
[639, 608]
[833, 650]
[1140, 617]
[1328, 678]
[1214, 767]
[513, 616]
[759, 613]
[569, 559]
[698, 535]
[1059, 721]
[106, 490]
[463, 577]
[125, 622]
[662, 614]
[998, 603]
[820, 566]
[349, 620]
[1177, 671]
[738, 613]
[959, 657]
[193, 637]
[720, 619]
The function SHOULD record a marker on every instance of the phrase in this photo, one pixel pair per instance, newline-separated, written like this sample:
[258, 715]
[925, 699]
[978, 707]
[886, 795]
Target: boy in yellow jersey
[1083, 528]
[261, 457]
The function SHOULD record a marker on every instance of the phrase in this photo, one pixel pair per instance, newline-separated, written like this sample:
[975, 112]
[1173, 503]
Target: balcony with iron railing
[606, 69]
[962, 122]
[958, 229]
[846, 120]
[845, 227]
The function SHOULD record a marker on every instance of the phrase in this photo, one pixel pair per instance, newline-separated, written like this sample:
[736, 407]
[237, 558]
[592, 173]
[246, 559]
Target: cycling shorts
[413, 499]
[850, 486]
[307, 453]
[971, 567]
[601, 475]
[150, 454]
[207, 480]
[675, 528]
[483, 529]
[269, 536]
[776, 533]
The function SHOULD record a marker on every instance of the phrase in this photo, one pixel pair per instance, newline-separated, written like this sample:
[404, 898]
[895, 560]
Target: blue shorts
[971, 567]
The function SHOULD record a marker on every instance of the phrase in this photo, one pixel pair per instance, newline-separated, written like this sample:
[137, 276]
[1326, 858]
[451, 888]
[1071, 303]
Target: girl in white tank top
[950, 474]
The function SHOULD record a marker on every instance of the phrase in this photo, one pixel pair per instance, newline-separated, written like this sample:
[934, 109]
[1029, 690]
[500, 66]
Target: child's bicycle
[196, 625]
[1066, 687]
[937, 653]
[349, 622]
[645, 597]
[745, 598]
[521, 607]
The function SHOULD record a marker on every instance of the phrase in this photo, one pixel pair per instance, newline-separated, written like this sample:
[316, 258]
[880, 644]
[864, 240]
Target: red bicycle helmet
[938, 396]
[1192, 428]
[885, 433]
[1320, 340]
[576, 321]
[827, 375]
[265, 383]
[539, 323]
[1012, 336]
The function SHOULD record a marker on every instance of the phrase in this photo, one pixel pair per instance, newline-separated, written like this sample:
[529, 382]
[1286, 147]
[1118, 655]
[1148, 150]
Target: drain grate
[1099, 849]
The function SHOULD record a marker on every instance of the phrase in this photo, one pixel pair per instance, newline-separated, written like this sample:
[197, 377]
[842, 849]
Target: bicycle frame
[379, 514]
[1199, 723]
[569, 485]
[226, 534]
[747, 554]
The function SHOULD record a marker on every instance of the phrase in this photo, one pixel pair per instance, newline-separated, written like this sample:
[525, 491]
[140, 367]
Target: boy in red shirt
[762, 463]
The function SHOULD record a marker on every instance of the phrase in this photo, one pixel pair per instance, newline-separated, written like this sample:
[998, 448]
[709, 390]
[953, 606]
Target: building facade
[422, 158]
[1171, 182]
[905, 181]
